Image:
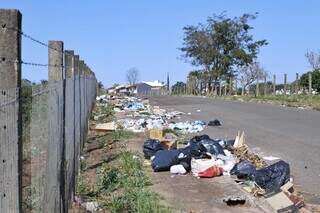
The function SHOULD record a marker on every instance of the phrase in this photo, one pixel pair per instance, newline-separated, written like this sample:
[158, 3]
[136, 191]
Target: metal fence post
[10, 111]
[55, 181]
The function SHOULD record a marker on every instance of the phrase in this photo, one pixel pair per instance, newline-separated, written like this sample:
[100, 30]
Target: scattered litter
[150, 147]
[271, 158]
[240, 140]
[178, 169]
[210, 172]
[281, 203]
[164, 159]
[234, 200]
[214, 123]
[111, 126]
[91, 206]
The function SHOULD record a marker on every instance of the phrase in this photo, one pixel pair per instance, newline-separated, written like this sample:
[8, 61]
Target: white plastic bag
[200, 165]
[178, 169]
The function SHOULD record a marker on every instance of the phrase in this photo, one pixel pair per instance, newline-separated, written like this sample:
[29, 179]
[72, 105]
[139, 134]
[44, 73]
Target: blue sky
[112, 36]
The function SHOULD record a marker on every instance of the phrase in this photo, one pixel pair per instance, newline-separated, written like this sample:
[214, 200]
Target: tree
[315, 75]
[178, 87]
[100, 85]
[313, 59]
[132, 76]
[221, 44]
[251, 73]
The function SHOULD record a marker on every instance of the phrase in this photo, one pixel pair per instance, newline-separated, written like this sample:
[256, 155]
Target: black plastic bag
[150, 147]
[164, 159]
[214, 123]
[199, 145]
[212, 146]
[273, 177]
[244, 170]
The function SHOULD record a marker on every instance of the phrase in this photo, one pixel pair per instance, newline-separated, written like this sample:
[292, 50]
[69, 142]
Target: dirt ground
[189, 194]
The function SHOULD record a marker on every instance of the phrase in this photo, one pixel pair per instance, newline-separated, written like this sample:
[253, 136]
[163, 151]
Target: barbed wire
[31, 63]
[34, 39]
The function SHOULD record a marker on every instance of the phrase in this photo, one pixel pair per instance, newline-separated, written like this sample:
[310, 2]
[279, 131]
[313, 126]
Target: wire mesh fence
[43, 125]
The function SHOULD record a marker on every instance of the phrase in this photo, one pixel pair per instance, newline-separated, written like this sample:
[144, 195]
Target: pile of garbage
[140, 116]
[204, 157]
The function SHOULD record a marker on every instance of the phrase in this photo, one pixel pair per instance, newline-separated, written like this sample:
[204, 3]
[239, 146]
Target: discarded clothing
[150, 147]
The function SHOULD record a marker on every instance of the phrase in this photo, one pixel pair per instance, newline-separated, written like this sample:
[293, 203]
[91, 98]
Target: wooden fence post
[274, 85]
[257, 88]
[297, 84]
[310, 83]
[55, 165]
[77, 111]
[10, 111]
[231, 86]
[285, 84]
[265, 86]
[69, 126]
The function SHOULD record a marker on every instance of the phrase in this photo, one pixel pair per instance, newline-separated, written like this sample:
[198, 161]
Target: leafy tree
[304, 80]
[221, 44]
[178, 87]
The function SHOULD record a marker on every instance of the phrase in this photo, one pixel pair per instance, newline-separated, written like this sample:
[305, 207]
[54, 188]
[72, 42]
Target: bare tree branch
[313, 59]
[132, 76]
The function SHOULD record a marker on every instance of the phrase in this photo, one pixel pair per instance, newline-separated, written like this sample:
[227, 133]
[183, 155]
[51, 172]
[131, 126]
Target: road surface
[289, 133]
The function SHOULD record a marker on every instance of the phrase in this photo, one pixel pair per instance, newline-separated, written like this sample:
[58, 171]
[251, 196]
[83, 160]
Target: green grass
[121, 134]
[312, 101]
[124, 188]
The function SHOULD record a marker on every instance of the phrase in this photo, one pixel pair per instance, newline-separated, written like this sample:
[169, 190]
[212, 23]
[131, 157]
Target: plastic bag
[210, 172]
[201, 165]
[214, 123]
[178, 169]
[273, 177]
[212, 147]
[164, 159]
[203, 144]
[150, 147]
[244, 170]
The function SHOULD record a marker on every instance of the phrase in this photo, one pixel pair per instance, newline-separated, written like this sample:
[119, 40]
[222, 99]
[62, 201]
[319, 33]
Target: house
[149, 88]
[143, 88]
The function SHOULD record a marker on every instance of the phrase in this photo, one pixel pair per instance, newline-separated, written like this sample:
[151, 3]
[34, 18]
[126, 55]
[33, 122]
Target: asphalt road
[289, 133]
